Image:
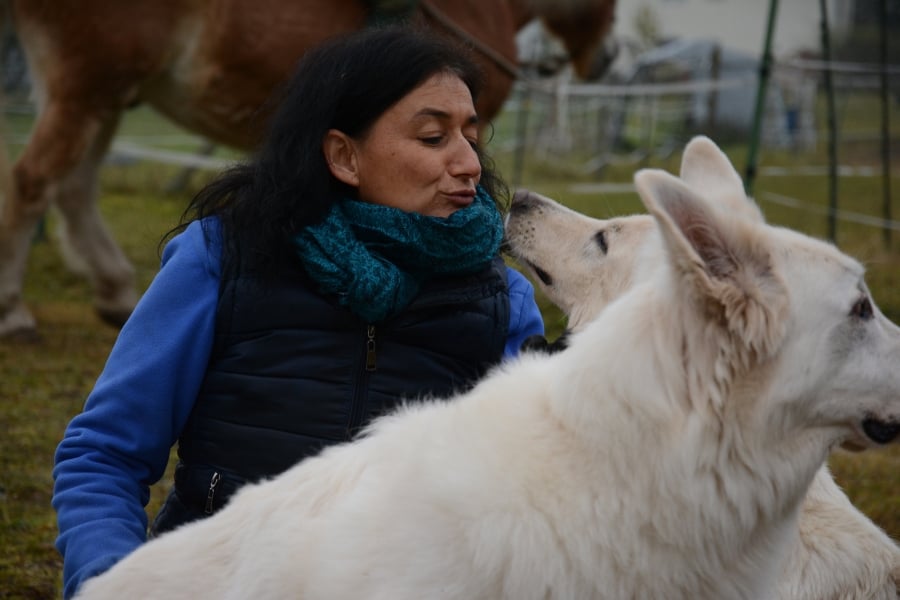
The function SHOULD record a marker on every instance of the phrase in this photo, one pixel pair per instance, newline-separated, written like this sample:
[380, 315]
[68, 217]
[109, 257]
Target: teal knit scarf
[375, 258]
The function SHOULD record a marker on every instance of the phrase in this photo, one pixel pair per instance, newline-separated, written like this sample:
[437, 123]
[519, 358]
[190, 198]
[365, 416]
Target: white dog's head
[787, 301]
[579, 262]
[582, 263]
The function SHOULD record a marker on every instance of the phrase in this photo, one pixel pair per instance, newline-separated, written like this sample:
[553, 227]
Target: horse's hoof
[18, 325]
[115, 317]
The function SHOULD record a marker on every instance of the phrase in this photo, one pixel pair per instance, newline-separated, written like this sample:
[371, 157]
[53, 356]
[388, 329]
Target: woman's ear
[340, 154]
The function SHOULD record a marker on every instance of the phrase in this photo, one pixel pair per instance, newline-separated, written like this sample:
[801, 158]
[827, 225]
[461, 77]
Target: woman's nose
[465, 161]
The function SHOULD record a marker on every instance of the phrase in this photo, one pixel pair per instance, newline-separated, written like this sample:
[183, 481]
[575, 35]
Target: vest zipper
[361, 389]
[370, 348]
[216, 478]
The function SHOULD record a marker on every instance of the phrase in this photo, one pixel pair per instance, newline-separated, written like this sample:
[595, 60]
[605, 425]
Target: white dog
[664, 454]
[582, 264]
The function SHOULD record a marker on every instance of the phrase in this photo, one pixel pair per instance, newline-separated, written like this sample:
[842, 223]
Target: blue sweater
[119, 445]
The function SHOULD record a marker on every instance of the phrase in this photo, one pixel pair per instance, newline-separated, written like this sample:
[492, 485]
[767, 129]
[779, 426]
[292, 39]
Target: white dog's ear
[719, 258]
[707, 169]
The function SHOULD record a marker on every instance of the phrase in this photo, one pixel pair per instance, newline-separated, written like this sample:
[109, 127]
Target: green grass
[44, 383]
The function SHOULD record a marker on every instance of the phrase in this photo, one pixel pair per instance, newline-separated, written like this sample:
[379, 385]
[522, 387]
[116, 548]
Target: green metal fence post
[832, 123]
[885, 129]
[765, 67]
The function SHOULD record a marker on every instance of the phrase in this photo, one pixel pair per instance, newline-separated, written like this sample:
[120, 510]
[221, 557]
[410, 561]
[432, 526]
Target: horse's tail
[584, 27]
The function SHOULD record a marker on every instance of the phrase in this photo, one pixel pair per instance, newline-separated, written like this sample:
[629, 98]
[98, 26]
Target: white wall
[738, 24]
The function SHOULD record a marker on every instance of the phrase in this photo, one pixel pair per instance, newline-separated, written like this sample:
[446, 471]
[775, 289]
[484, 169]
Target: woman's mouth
[461, 198]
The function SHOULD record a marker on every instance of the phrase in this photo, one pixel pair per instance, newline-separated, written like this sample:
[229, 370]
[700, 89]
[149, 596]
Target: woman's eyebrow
[443, 115]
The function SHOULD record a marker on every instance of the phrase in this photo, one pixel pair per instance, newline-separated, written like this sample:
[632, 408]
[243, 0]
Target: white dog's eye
[862, 309]
[600, 239]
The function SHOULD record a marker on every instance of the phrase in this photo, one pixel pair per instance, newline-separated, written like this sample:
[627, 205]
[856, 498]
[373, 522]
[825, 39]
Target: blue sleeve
[524, 315]
[120, 443]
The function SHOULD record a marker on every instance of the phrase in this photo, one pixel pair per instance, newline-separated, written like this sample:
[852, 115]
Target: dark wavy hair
[346, 83]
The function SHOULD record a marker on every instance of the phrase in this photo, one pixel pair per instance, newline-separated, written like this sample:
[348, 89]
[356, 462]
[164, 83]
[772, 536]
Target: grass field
[44, 383]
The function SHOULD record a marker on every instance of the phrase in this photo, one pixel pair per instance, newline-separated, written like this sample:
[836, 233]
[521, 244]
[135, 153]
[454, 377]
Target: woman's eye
[432, 140]
[862, 309]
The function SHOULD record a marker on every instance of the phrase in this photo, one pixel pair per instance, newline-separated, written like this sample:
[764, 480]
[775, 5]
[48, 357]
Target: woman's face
[419, 156]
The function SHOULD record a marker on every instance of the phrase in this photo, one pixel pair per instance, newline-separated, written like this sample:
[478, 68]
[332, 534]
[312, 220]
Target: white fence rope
[838, 66]
[840, 214]
[169, 157]
[600, 90]
[765, 196]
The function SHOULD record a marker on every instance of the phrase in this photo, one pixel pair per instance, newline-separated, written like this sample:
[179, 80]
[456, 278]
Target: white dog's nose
[881, 432]
[523, 200]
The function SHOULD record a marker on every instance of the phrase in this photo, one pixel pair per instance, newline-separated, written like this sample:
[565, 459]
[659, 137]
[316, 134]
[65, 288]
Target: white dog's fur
[665, 454]
[582, 264]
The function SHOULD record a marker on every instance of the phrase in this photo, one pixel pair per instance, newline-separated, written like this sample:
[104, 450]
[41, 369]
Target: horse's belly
[230, 60]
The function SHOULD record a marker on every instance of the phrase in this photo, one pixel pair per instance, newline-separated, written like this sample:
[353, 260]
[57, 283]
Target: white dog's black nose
[523, 200]
[881, 432]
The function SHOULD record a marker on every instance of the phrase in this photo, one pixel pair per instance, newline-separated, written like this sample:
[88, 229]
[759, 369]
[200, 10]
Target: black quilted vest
[292, 371]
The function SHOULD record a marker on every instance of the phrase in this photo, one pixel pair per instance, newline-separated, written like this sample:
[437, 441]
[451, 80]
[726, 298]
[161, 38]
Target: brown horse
[208, 65]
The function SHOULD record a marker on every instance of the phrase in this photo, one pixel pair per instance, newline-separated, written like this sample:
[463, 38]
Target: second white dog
[582, 264]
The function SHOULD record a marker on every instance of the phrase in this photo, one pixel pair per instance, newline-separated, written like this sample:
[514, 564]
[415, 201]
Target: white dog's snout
[523, 200]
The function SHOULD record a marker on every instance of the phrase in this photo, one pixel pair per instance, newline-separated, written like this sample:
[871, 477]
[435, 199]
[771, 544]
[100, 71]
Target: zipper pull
[212, 492]
[370, 349]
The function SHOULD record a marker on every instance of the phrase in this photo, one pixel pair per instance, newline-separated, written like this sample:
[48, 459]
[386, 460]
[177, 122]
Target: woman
[350, 265]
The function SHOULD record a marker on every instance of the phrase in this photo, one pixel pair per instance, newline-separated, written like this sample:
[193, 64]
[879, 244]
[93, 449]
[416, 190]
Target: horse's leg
[17, 226]
[60, 164]
[84, 233]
